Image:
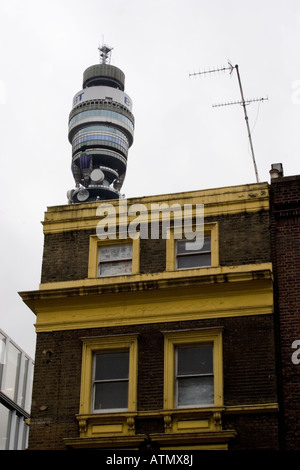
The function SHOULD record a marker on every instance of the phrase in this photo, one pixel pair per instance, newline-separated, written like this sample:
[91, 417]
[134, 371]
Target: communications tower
[101, 128]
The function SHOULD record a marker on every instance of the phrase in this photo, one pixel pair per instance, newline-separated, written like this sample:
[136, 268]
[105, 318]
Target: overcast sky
[181, 143]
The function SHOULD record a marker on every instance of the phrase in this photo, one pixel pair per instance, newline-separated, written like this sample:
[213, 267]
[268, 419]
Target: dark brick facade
[243, 239]
[285, 236]
[249, 371]
[249, 378]
[66, 255]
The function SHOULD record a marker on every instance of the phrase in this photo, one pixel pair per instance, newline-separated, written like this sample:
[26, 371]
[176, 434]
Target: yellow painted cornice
[138, 282]
[148, 299]
[227, 200]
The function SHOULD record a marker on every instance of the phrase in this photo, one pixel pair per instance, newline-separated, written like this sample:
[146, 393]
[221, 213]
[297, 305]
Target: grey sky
[181, 142]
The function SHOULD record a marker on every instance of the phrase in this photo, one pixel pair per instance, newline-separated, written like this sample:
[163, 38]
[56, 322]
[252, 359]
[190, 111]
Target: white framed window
[115, 259]
[194, 375]
[188, 257]
[110, 381]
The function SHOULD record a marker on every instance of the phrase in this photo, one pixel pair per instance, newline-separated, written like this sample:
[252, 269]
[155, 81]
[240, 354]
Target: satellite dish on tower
[97, 175]
[83, 195]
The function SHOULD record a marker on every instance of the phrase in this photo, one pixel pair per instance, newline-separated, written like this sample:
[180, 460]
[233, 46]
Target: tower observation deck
[101, 128]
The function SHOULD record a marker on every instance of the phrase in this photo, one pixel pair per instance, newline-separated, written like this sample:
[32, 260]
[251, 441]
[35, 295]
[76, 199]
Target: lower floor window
[194, 375]
[110, 384]
[193, 368]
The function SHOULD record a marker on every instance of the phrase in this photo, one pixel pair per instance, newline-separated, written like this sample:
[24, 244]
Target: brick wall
[249, 378]
[152, 256]
[285, 236]
[249, 365]
[65, 256]
[243, 239]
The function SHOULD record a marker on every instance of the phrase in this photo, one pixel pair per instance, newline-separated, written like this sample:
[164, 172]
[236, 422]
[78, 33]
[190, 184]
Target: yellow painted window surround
[192, 338]
[91, 346]
[210, 230]
[95, 243]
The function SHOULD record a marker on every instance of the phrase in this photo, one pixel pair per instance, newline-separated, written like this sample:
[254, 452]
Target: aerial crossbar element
[243, 102]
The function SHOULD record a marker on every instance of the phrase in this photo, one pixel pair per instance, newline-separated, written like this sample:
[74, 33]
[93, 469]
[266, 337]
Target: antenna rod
[247, 122]
[243, 102]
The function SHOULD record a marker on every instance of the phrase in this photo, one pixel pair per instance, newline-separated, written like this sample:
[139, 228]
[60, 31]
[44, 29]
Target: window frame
[174, 235]
[178, 376]
[90, 346]
[95, 243]
[189, 338]
[198, 252]
[96, 382]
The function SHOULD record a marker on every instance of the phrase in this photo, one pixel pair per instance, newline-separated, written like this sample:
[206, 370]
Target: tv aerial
[243, 102]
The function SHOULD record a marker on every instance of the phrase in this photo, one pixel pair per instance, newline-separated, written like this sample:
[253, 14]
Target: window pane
[185, 246]
[28, 393]
[23, 394]
[12, 372]
[195, 391]
[110, 366]
[4, 426]
[115, 252]
[194, 261]
[111, 395]
[116, 268]
[2, 354]
[195, 360]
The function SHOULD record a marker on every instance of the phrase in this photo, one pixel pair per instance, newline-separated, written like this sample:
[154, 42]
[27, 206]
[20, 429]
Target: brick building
[285, 244]
[146, 339]
[137, 338]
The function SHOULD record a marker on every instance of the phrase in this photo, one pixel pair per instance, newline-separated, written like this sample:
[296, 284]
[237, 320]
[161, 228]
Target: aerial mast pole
[247, 121]
[243, 102]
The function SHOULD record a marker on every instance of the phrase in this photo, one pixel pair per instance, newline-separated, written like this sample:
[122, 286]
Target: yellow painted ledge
[217, 201]
[185, 436]
[228, 294]
[203, 275]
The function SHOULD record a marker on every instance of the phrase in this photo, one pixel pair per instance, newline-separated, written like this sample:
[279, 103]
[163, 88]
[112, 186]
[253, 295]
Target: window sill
[190, 420]
[202, 419]
[206, 275]
[106, 424]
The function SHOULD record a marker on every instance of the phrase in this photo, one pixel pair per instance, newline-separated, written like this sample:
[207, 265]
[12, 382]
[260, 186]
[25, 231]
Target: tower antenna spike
[243, 102]
[105, 53]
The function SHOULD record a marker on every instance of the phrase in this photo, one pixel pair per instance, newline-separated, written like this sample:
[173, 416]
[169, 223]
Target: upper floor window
[111, 257]
[188, 257]
[185, 254]
[115, 260]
